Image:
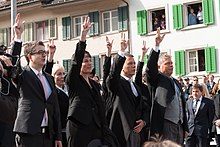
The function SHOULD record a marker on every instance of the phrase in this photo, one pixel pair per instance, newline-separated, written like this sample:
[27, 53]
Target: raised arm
[138, 77]
[79, 53]
[152, 65]
[51, 48]
[107, 63]
[114, 75]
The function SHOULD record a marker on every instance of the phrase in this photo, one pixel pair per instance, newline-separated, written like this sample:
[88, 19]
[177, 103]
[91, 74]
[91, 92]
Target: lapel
[35, 79]
[201, 106]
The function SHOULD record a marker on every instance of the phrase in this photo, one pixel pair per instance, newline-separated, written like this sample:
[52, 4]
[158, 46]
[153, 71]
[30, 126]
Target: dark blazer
[200, 123]
[163, 93]
[82, 105]
[127, 108]
[32, 104]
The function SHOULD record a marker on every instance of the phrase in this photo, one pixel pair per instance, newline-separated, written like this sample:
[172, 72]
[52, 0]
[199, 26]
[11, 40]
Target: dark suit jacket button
[93, 109]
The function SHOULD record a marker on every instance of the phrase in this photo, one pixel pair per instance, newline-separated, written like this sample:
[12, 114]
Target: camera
[11, 70]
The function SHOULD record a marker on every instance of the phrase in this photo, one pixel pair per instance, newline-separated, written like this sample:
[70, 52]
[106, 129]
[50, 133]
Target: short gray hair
[161, 57]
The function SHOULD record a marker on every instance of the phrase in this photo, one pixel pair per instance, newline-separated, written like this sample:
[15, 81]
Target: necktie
[133, 88]
[195, 107]
[43, 84]
[45, 119]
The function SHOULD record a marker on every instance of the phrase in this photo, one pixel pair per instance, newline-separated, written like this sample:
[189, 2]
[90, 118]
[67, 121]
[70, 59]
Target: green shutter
[94, 17]
[180, 62]
[66, 22]
[67, 65]
[123, 18]
[142, 22]
[208, 11]
[145, 58]
[177, 16]
[96, 64]
[210, 59]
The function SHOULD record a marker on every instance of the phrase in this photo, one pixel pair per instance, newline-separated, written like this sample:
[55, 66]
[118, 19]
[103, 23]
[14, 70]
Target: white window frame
[82, 17]
[185, 16]
[197, 61]
[48, 27]
[111, 23]
[149, 18]
[24, 36]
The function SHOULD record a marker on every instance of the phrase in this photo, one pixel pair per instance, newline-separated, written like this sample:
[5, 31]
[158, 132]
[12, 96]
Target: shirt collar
[200, 99]
[35, 71]
[126, 78]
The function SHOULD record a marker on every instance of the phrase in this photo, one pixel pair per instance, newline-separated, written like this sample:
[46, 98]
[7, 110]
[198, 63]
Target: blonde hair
[156, 141]
[55, 68]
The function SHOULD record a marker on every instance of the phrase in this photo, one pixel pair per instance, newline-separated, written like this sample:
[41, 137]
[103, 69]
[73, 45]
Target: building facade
[192, 28]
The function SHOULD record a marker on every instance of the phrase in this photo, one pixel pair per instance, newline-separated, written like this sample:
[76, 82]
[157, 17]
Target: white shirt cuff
[156, 49]
[122, 54]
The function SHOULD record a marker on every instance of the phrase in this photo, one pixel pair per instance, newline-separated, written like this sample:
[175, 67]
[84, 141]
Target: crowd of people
[47, 107]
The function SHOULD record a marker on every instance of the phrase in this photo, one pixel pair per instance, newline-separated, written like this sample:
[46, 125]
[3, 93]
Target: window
[149, 20]
[110, 21]
[77, 22]
[45, 29]
[96, 64]
[157, 19]
[193, 13]
[197, 60]
[28, 32]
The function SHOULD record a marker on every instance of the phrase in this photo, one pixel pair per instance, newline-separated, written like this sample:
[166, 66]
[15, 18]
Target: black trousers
[79, 135]
[37, 140]
[196, 141]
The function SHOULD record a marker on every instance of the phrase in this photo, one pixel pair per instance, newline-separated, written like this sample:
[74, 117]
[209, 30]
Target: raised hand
[109, 46]
[124, 43]
[159, 38]
[18, 27]
[144, 51]
[51, 48]
[85, 28]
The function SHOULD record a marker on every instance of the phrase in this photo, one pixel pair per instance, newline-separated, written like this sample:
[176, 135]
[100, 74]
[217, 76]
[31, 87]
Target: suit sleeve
[16, 51]
[114, 75]
[138, 77]
[152, 68]
[106, 71]
[48, 67]
[76, 64]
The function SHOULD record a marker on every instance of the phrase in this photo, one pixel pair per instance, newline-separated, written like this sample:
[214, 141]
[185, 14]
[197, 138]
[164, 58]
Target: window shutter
[123, 18]
[180, 62]
[177, 16]
[210, 59]
[53, 26]
[66, 21]
[67, 65]
[96, 65]
[145, 58]
[208, 11]
[94, 17]
[142, 22]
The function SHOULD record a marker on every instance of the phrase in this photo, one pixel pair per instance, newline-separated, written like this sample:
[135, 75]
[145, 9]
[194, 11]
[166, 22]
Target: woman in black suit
[86, 116]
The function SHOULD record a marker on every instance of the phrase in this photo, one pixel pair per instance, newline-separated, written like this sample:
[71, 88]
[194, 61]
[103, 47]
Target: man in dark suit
[129, 115]
[38, 118]
[200, 114]
[168, 117]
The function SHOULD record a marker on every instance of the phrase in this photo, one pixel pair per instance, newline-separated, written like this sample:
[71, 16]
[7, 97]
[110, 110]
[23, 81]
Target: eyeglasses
[40, 52]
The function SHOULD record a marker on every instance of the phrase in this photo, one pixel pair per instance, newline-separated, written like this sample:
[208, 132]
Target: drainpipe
[129, 35]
